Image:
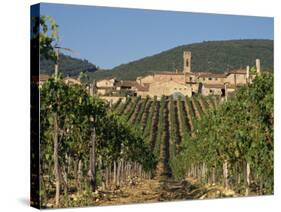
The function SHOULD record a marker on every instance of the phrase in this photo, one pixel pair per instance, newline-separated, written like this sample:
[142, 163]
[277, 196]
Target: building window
[216, 78]
[175, 88]
[190, 78]
[180, 89]
[211, 91]
[210, 78]
[203, 78]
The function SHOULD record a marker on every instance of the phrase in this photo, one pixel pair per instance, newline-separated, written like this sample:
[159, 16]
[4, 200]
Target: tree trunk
[140, 171]
[76, 173]
[56, 160]
[118, 173]
[213, 175]
[114, 173]
[238, 174]
[80, 166]
[106, 177]
[261, 186]
[122, 171]
[203, 172]
[247, 178]
[110, 175]
[225, 174]
[92, 170]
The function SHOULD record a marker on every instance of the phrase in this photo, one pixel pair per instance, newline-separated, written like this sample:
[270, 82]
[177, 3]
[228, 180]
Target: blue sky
[108, 36]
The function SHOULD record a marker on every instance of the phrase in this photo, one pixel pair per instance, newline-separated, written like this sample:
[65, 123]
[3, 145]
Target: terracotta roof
[43, 77]
[212, 75]
[238, 71]
[213, 85]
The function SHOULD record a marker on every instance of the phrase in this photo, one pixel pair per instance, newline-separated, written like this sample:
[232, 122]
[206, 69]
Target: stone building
[72, 81]
[190, 83]
[105, 86]
[68, 80]
[176, 83]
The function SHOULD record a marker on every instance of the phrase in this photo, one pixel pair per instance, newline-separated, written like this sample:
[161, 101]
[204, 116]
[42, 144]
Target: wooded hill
[68, 65]
[211, 56]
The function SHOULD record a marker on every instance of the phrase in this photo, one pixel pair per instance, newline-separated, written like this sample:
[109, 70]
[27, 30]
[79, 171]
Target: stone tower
[186, 62]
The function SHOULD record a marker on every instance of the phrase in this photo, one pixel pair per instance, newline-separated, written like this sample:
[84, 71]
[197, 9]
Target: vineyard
[210, 140]
[90, 150]
[166, 124]
[150, 149]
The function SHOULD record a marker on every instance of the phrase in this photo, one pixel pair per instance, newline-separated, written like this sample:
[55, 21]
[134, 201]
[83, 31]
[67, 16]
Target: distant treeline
[211, 56]
[69, 66]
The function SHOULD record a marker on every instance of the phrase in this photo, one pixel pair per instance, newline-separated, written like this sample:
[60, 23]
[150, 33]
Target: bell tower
[186, 62]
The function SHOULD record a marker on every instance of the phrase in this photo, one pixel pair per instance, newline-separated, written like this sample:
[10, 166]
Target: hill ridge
[208, 56]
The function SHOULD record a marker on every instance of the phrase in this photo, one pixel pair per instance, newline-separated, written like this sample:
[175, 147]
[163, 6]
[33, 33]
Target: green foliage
[77, 114]
[45, 31]
[74, 109]
[160, 134]
[211, 56]
[118, 139]
[238, 131]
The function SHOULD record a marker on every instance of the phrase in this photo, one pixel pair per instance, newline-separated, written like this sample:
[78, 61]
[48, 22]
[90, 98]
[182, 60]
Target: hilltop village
[185, 82]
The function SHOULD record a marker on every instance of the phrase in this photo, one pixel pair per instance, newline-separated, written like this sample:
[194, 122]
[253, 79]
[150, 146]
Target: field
[154, 149]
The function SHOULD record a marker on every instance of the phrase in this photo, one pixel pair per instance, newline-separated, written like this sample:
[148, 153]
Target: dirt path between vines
[158, 190]
[145, 191]
[153, 190]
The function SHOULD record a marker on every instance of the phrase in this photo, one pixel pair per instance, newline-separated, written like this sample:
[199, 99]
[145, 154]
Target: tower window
[210, 78]
[187, 62]
[190, 78]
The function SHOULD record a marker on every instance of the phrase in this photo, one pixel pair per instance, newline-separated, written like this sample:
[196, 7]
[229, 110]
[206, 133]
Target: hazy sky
[111, 36]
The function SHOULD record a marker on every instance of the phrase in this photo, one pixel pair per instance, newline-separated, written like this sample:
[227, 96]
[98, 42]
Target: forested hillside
[69, 66]
[212, 56]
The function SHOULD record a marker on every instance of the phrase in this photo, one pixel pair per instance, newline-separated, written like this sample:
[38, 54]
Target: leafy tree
[45, 30]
